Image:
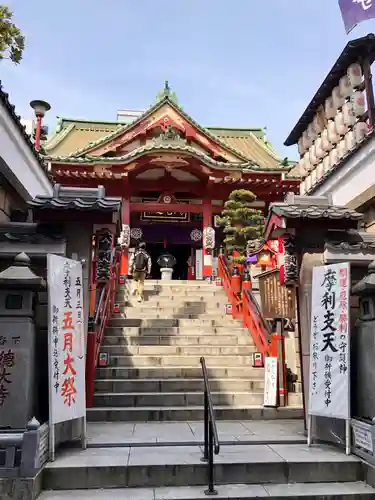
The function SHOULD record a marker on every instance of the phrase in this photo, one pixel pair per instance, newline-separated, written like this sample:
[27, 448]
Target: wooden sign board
[166, 216]
[277, 301]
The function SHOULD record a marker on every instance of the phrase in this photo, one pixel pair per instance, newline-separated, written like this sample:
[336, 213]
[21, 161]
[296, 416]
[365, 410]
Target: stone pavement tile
[289, 438]
[91, 457]
[109, 494]
[162, 430]
[223, 428]
[274, 427]
[197, 492]
[317, 453]
[247, 454]
[165, 455]
[321, 489]
[110, 432]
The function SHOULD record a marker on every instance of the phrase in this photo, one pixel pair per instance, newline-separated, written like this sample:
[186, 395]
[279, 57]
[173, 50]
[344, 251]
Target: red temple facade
[172, 174]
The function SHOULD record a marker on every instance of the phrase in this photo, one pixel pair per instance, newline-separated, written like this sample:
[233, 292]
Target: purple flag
[355, 11]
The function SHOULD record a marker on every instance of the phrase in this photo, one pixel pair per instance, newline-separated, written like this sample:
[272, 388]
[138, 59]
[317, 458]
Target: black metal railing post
[211, 439]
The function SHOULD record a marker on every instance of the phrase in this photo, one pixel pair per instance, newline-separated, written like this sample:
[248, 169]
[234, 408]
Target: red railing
[97, 327]
[246, 307]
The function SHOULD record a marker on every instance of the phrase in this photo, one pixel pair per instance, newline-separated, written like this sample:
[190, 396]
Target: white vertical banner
[270, 381]
[329, 391]
[66, 341]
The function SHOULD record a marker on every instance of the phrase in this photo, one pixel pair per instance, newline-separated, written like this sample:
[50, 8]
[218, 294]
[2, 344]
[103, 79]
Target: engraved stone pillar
[18, 287]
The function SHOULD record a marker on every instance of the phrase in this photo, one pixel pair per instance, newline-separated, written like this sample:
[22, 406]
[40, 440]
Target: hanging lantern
[306, 163]
[319, 171]
[338, 100]
[124, 238]
[302, 188]
[301, 148]
[340, 125]
[348, 114]
[317, 124]
[313, 177]
[358, 103]
[350, 140]
[326, 164]
[308, 183]
[311, 133]
[312, 156]
[329, 108]
[306, 141]
[209, 238]
[341, 149]
[319, 151]
[333, 158]
[354, 73]
[345, 87]
[326, 144]
[360, 131]
[333, 136]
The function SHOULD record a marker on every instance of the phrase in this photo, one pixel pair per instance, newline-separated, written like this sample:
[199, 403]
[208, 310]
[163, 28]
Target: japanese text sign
[329, 393]
[66, 339]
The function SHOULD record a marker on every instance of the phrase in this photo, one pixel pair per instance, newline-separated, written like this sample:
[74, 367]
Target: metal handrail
[211, 438]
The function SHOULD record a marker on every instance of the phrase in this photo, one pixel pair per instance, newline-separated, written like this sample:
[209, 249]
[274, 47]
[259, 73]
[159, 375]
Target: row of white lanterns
[328, 139]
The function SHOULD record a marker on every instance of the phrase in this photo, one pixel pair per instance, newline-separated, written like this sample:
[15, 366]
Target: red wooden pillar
[125, 216]
[207, 254]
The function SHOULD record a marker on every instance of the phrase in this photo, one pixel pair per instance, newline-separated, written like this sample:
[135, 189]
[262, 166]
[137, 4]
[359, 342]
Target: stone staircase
[154, 348]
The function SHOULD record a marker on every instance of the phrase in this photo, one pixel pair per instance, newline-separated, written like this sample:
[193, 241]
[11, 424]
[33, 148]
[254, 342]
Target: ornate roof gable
[165, 114]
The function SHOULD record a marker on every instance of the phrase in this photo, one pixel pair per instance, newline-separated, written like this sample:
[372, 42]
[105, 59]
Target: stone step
[236, 329]
[173, 283]
[186, 360]
[218, 316]
[191, 294]
[177, 384]
[180, 340]
[182, 466]
[175, 301]
[184, 350]
[143, 309]
[182, 399]
[183, 372]
[152, 322]
[170, 399]
[297, 491]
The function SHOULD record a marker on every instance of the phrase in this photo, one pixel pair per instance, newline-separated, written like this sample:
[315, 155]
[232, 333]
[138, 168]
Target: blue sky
[232, 63]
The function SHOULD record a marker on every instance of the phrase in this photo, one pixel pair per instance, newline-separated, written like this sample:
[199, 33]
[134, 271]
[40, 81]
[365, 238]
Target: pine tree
[12, 42]
[242, 223]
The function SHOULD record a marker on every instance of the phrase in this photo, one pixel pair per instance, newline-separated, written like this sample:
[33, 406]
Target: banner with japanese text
[66, 339]
[329, 391]
[355, 12]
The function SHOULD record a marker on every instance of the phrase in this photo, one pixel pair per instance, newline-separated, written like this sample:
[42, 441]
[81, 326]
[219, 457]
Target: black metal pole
[210, 466]
[206, 431]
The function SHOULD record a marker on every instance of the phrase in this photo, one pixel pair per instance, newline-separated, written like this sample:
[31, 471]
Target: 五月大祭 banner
[354, 12]
[329, 392]
[66, 339]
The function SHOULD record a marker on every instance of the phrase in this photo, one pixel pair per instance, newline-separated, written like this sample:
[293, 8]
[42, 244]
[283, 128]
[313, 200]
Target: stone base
[21, 488]
[166, 273]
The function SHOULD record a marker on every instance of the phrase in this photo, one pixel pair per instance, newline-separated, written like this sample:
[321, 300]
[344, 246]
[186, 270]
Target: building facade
[172, 174]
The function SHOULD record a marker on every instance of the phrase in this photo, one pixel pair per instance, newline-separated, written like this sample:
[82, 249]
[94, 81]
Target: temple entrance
[181, 252]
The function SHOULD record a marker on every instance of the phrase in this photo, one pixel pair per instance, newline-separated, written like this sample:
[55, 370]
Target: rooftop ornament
[168, 93]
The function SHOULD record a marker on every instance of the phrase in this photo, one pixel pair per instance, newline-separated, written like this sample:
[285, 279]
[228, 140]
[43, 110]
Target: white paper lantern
[341, 127]
[308, 183]
[360, 130]
[319, 171]
[341, 149]
[333, 136]
[306, 141]
[354, 73]
[312, 156]
[358, 102]
[350, 140]
[306, 163]
[348, 114]
[333, 158]
[302, 188]
[313, 177]
[311, 133]
[326, 144]
[319, 151]
[326, 164]
[329, 108]
[301, 148]
[345, 87]
[317, 124]
[338, 100]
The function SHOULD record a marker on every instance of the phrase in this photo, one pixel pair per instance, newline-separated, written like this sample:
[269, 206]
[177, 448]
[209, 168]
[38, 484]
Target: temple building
[172, 174]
